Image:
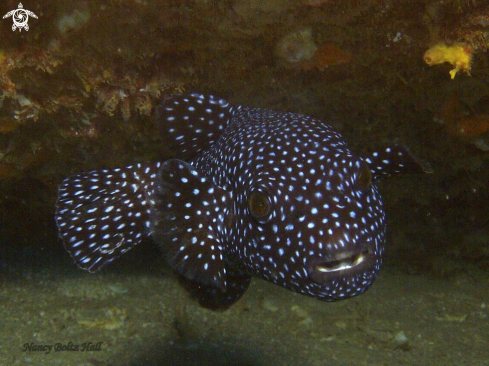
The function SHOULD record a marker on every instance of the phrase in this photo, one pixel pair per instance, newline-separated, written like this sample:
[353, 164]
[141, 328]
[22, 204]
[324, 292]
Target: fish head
[314, 225]
[312, 220]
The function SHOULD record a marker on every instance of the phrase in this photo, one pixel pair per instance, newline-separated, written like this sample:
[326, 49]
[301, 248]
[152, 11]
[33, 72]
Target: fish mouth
[344, 263]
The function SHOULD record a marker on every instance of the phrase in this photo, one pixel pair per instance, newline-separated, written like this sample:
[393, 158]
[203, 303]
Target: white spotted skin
[104, 213]
[318, 211]
[324, 232]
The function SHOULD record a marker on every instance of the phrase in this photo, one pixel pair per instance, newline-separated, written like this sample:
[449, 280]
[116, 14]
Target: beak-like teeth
[342, 264]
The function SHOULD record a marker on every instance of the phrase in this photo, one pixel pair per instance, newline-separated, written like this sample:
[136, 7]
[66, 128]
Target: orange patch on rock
[329, 54]
[6, 170]
[474, 126]
[8, 124]
[460, 124]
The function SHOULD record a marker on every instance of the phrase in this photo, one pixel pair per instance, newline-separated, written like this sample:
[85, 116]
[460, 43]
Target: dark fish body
[255, 193]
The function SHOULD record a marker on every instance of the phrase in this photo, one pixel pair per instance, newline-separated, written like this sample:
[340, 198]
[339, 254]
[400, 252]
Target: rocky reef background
[77, 92]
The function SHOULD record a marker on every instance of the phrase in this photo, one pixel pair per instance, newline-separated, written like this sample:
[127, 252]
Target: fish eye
[259, 205]
[364, 179]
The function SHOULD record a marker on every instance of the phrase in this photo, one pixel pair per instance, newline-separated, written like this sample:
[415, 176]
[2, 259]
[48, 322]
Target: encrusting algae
[459, 55]
[299, 51]
[471, 128]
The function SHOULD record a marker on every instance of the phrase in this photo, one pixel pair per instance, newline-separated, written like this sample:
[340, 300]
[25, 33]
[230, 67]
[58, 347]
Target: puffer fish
[253, 192]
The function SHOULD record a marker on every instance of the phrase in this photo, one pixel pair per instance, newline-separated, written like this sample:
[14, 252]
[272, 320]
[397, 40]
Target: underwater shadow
[231, 352]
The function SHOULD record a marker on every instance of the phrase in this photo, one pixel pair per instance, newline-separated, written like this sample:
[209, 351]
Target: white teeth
[341, 265]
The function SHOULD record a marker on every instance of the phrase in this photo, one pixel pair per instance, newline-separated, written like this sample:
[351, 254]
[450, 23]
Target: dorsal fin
[192, 122]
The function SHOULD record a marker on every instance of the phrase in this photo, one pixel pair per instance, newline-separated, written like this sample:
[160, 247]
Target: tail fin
[104, 213]
[396, 159]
